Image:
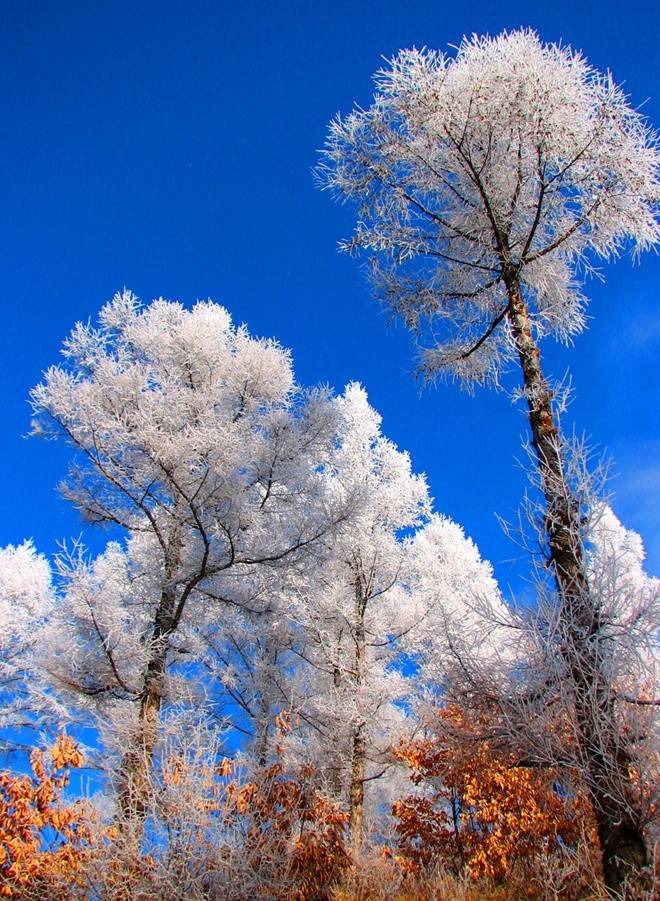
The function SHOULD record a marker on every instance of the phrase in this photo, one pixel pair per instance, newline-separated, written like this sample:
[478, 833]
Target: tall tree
[487, 184]
[192, 438]
[358, 605]
[378, 612]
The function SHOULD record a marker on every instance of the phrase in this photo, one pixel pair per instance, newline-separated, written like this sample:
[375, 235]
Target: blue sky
[168, 146]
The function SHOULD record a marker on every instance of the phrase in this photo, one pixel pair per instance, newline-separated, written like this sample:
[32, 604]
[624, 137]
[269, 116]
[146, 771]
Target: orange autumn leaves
[43, 841]
[286, 819]
[289, 830]
[285, 828]
[482, 812]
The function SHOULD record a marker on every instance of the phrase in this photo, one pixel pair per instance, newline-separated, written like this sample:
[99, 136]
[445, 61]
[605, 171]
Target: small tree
[482, 812]
[487, 184]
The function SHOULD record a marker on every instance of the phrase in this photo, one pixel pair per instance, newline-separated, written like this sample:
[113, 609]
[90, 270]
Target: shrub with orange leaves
[289, 827]
[43, 841]
[215, 830]
[484, 812]
[292, 828]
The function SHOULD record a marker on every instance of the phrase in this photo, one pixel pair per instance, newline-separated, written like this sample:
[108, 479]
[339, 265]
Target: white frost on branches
[511, 159]
[629, 600]
[26, 602]
[273, 550]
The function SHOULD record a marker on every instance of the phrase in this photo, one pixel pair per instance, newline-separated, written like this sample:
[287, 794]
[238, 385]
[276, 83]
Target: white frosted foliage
[510, 160]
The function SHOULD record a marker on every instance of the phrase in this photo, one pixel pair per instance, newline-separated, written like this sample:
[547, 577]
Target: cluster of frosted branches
[272, 552]
[546, 696]
[26, 602]
[511, 158]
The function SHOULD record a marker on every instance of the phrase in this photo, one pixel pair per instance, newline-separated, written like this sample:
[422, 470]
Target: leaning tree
[488, 184]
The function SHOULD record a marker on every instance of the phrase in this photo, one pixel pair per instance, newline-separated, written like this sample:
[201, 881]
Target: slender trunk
[335, 780]
[135, 768]
[358, 763]
[458, 838]
[622, 841]
[356, 817]
[265, 708]
[263, 730]
[262, 746]
[136, 764]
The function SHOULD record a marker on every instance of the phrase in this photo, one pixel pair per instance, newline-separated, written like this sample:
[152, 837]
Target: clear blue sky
[167, 147]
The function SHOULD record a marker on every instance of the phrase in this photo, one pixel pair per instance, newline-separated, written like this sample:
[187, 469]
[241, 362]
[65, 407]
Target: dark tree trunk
[135, 771]
[622, 840]
[335, 774]
[263, 726]
[356, 818]
[358, 750]
[136, 763]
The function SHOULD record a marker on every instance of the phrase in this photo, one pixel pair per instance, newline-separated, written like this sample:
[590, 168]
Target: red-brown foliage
[483, 811]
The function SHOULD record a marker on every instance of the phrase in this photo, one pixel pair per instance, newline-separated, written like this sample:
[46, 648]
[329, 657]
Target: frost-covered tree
[535, 702]
[25, 604]
[358, 605]
[380, 611]
[488, 184]
[193, 438]
[464, 613]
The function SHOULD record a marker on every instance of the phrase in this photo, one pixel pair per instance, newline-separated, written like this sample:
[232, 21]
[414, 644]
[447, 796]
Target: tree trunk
[135, 767]
[356, 801]
[263, 727]
[358, 763]
[335, 773]
[263, 733]
[135, 770]
[622, 841]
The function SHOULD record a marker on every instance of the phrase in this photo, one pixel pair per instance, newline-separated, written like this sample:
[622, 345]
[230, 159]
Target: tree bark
[335, 773]
[356, 816]
[623, 846]
[135, 770]
[262, 744]
[135, 767]
[358, 762]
